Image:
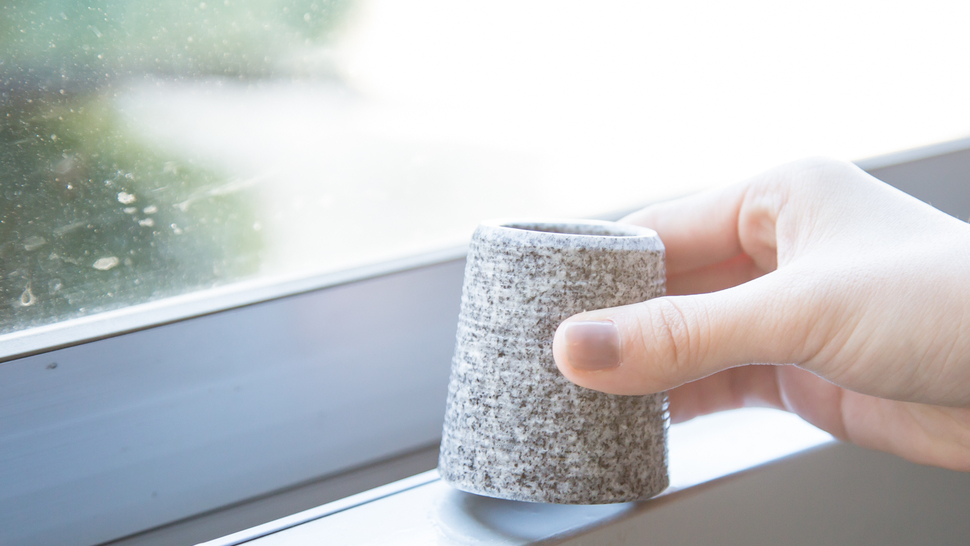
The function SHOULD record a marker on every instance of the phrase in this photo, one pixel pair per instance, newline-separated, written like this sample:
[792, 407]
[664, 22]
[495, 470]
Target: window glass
[149, 149]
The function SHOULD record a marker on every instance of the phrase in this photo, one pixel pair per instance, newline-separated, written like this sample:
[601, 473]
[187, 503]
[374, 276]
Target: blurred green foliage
[92, 217]
[107, 38]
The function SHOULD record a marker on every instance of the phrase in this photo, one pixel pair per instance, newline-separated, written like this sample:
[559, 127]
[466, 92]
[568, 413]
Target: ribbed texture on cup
[515, 428]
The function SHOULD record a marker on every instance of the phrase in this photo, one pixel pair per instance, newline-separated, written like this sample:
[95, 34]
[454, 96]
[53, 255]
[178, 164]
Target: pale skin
[856, 295]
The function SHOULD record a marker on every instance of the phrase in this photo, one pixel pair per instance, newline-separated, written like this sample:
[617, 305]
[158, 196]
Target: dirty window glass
[149, 149]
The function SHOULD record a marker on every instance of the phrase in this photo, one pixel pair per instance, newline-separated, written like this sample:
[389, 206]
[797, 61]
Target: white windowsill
[425, 510]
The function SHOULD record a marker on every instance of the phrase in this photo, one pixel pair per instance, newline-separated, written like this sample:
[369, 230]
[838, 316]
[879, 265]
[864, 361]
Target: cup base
[554, 497]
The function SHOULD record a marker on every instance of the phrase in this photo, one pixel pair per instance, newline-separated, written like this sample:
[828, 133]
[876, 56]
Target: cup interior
[577, 228]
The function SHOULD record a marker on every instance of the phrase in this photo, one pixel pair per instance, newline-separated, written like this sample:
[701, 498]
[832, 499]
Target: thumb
[665, 342]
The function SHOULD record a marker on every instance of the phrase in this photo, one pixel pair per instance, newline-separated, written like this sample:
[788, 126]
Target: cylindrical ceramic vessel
[515, 428]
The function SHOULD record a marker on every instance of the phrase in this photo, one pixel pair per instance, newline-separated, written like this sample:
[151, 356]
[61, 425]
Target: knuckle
[811, 172]
[675, 343]
[823, 164]
[825, 173]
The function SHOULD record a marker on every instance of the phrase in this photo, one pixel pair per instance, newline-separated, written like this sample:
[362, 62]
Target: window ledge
[424, 510]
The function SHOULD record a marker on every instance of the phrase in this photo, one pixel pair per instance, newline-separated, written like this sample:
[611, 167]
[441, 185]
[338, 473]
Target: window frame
[134, 419]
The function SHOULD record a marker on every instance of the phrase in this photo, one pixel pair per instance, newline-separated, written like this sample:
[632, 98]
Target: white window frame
[122, 422]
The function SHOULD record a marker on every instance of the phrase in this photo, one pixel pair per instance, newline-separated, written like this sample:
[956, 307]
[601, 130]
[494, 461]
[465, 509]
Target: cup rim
[615, 233]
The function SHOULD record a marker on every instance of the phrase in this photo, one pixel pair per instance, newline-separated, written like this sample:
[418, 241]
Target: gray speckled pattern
[515, 428]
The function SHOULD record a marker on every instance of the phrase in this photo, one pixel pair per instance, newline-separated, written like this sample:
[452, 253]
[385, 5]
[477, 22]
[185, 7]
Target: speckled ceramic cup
[515, 428]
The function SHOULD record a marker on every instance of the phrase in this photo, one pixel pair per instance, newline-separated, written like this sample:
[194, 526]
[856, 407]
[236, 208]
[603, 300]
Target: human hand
[858, 293]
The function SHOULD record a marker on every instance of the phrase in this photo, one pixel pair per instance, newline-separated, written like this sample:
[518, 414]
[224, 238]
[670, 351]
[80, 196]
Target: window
[248, 189]
[152, 149]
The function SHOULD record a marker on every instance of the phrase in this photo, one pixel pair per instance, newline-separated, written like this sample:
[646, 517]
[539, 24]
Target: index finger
[698, 230]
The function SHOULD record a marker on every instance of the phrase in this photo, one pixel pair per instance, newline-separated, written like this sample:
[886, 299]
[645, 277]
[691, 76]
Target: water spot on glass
[257, 226]
[148, 222]
[54, 286]
[125, 198]
[63, 230]
[176, 229]
[306, 17]
[150, 209]
[65, 165]
[54, 138]
[130, 210]
[34, 242]
[27, 298]
[104, 264]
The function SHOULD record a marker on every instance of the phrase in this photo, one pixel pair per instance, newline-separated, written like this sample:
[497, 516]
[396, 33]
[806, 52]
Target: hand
[858, 294]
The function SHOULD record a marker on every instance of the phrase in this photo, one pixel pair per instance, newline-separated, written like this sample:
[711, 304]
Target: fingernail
[592, 345]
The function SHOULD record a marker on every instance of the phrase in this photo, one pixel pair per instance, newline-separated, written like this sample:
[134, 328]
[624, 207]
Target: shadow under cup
[515, 428]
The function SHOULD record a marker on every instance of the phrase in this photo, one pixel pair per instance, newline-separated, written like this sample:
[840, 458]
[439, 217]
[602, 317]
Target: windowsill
[424, 510]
